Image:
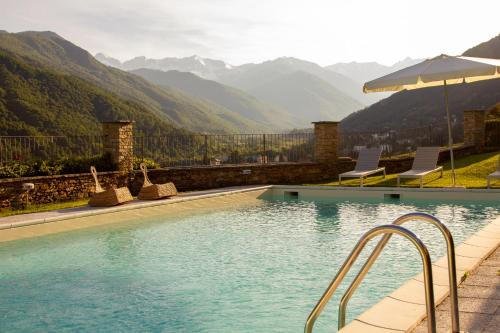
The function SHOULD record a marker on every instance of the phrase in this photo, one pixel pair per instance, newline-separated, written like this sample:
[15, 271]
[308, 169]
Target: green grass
[471, 172]
[36, 208]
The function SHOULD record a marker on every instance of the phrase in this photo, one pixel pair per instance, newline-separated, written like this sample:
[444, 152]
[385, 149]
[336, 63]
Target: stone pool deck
[479, 301]
[39, 224]
[68, 213]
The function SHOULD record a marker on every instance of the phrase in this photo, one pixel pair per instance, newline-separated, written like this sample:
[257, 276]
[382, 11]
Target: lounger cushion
[425, 162]
[418, 173]
[426, 158]
[368, 159]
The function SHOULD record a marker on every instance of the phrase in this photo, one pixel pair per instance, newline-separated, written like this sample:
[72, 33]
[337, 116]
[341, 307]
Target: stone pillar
[118, 142]
[474, 128]
[325, 144]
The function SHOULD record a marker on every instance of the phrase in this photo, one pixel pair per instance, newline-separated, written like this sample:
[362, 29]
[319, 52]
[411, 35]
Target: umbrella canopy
[433, 72]
[441, 70]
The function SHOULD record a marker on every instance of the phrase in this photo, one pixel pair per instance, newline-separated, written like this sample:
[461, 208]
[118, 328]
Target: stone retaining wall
[71, 187]
[55, 188]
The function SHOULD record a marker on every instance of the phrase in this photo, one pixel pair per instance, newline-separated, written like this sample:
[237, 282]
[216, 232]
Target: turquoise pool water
[252, 269]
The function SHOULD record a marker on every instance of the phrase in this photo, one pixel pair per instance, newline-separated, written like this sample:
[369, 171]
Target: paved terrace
[479, 301]
[60, 214]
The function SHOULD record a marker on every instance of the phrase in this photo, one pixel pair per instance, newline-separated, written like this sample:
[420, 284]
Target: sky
[242, 31]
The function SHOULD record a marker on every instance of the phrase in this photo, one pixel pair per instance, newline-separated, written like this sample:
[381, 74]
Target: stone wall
[56, 188]
[326, 141]
[474, 128]
[118, 142]
[71, 187]
[492, 135]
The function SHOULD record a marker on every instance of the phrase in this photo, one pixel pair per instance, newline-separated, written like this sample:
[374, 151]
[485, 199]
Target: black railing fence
[213, 149]
[199, 150]
[27, 148]
[396, 142]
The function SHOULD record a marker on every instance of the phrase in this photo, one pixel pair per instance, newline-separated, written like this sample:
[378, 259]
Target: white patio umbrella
[441, 70]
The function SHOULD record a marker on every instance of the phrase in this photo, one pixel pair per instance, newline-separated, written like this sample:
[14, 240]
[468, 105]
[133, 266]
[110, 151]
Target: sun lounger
[495, 174]
[150, 191]
[366, 165]
[425, 163]
[111, 197]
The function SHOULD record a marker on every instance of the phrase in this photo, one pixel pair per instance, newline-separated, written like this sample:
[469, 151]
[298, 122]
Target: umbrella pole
[450, 137]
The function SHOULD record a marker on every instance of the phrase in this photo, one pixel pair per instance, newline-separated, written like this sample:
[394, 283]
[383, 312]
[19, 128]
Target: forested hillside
[422, 107]
[49, 50]
[35, 101]
[270, 118]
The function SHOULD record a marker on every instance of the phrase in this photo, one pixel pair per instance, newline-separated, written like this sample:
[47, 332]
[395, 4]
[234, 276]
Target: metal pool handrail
[351, 259]
[380, 246]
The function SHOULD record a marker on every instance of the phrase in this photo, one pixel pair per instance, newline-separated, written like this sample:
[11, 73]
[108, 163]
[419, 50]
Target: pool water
[258, 268]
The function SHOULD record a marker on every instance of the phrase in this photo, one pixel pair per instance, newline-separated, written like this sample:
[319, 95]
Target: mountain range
[202, 67]
[362, 72]
[226, 96]
[49, 51]
[346, 79]
[49, 85]
[38, 101]
[272, 83]
[423, 107]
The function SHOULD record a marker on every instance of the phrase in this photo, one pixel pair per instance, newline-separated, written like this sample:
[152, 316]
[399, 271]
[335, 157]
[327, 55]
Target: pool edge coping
[139, 204]
[220, 192]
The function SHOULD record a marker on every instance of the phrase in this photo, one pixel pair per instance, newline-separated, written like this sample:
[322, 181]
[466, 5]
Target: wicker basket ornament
[106, 198]
[150, 191]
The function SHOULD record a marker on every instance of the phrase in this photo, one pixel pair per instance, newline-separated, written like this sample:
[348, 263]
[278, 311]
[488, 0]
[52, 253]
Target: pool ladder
[387, 231]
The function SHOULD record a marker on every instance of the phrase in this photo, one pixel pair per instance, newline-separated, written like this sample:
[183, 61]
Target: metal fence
[396, 142]
[199, 150]
[27, 148]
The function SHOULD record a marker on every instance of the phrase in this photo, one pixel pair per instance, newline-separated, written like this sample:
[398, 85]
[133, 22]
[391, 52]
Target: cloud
[240, 31]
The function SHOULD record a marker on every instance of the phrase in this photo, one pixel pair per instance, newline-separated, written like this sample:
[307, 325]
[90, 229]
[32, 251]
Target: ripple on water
[252, 269]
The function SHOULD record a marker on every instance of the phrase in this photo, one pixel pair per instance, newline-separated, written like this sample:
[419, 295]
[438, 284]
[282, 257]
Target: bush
[18, 169]
[83, 164]
[150, 164]
[13, 170]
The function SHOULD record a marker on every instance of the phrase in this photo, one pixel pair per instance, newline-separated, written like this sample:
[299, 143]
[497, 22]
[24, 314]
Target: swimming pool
[251, 268]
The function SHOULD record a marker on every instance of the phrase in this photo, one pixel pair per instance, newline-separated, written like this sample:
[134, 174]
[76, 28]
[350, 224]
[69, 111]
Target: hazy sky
[239, 31]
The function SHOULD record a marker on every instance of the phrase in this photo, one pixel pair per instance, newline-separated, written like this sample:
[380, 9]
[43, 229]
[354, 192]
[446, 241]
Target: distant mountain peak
[109, 61]
[199, 59]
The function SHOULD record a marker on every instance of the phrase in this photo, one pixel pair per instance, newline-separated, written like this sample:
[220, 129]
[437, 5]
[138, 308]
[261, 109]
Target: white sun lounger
[425, 162]
[366, 165]
[495, 174]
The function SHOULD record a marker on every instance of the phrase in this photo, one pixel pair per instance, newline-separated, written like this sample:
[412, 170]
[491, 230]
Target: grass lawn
[44, 207]
[471, 172]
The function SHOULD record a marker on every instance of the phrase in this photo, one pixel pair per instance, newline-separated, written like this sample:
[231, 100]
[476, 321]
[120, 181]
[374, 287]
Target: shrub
[150, 164]
[83, 164]
[17, 169]
[13, 170]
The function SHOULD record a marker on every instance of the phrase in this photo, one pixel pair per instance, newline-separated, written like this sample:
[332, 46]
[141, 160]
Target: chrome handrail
[380, 246]
[351, 259]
